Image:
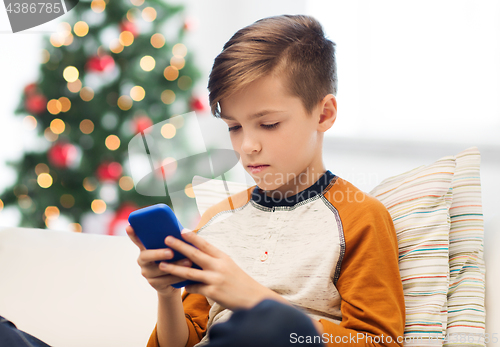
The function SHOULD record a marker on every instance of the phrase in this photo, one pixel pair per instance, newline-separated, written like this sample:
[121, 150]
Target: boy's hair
[292, 47]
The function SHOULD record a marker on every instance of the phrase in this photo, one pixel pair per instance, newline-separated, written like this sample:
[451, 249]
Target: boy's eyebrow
[256, 115]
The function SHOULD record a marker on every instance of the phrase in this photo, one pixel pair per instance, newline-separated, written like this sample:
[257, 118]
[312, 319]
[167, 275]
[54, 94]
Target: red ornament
[120, 220]
[62, 155]
[35, 103]
[129, 26]
[197, 104]
[109, 171]
[189, 24]
[30, 89]
[100, 64]
[141, 124]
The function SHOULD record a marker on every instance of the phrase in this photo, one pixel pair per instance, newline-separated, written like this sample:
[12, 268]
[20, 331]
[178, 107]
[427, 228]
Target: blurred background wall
[417, 81]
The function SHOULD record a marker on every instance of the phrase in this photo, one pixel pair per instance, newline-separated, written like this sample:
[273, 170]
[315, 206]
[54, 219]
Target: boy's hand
[222, 280]
[159, 280]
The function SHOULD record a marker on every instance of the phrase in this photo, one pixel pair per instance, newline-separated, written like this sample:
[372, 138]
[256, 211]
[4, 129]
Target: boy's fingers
[151, 255]
[131, 234]
[160, 281]
[183, 262]
[186, 263]
[202, 254]
[189, 251]
[184, 272]
[151, 270]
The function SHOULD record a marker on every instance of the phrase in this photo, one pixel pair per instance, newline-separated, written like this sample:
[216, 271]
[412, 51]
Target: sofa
[75, 289]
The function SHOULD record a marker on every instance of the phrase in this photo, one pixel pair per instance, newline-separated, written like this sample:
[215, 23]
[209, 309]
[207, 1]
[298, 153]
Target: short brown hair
[293, 47]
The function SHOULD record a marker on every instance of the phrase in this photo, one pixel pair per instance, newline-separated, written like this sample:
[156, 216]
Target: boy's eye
[267, 126]
[270, 126]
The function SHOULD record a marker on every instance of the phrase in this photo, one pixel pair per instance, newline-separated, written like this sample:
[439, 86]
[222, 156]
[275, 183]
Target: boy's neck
[260, 197]
[297, 184]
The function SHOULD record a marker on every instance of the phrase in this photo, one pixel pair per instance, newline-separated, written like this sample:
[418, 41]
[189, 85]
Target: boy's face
[284, 138]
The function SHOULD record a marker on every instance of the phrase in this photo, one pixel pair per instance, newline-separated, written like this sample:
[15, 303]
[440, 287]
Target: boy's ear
[328, 112]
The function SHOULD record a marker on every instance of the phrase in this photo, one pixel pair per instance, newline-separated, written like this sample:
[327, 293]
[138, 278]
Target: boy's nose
[250, 144]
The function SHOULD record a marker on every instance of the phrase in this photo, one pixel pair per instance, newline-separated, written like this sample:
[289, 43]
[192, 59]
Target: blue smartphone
[152, 225]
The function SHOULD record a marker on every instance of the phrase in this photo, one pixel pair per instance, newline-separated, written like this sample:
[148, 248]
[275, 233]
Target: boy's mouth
[257, 168]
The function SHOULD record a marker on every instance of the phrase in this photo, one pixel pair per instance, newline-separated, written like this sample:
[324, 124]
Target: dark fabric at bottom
[10, 336]
[268, 324]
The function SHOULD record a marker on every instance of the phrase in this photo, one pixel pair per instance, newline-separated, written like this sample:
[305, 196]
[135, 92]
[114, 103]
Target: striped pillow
[419, 203]
[466, 312]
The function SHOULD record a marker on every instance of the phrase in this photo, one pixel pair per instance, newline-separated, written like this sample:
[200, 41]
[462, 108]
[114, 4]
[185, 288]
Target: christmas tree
[115, 69]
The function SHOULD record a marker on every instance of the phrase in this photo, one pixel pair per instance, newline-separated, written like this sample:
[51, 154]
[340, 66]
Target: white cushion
[72, 289]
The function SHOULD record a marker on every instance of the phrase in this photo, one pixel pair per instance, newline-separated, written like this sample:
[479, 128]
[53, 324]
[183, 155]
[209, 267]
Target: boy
[301, 236]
